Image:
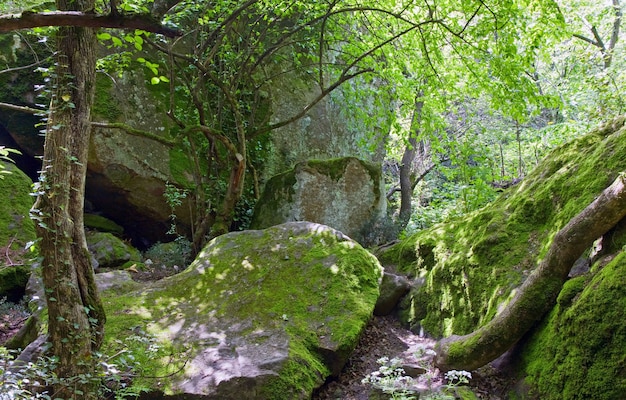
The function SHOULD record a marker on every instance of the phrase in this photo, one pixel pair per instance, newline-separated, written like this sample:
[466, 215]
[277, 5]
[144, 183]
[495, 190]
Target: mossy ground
[471, 265]
[301, 284]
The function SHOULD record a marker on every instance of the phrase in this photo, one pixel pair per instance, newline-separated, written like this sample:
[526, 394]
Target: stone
[109, 251]
[344, 193]
[260, 314]
[113, 280]
[102, 224]
[392, 288]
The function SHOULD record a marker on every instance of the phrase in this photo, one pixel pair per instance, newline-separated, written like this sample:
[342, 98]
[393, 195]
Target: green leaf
[104, 36]
[155, 80]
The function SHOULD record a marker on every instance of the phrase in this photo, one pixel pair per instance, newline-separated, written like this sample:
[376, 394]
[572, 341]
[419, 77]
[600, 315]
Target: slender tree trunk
[538, 293]
[407, 168]
[75, 314]
[234, 191]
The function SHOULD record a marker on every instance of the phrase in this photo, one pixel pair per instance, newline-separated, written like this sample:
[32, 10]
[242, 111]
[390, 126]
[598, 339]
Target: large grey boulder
[264, 314]
[344, 193]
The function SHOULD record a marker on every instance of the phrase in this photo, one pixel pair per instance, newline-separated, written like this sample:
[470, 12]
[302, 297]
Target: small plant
[174, 198]
[391, 380]
[458, 378]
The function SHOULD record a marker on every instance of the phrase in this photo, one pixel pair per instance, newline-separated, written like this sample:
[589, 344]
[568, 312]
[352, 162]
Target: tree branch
[28, 20]
[135, 132]
[23, 109]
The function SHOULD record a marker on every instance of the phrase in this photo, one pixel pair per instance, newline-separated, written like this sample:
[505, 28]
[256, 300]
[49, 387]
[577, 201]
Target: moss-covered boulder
[102, 224]
[16, 230]
[109, 251]
[472, 265]
[578, 352]
[258, 315]
[344, 193]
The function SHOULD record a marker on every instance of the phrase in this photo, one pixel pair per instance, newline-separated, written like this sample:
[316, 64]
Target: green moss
[16, 228]
[570, 289]
[109, 250]
[578, 351]
[181, 167]
[105, 105]
[472, 264]
[13, 280]
[102, 224]
[266, 213]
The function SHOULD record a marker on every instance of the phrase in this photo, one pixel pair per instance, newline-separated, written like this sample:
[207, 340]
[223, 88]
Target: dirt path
[384, 337]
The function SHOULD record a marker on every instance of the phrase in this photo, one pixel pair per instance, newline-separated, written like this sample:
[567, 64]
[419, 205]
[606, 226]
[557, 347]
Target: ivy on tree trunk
[75, 314]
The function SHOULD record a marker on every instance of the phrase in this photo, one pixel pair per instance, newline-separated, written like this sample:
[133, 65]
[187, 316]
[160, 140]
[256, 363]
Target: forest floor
[385, 337]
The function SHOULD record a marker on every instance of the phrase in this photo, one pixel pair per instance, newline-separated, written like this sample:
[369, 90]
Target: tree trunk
[407, 167]
[234, 191]
[538, 293]
[75, 314]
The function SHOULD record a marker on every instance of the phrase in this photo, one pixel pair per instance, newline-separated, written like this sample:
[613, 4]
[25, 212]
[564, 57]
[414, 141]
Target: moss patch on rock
[578, 351]
[300, 290]
[102, 224]
[16, 228]
[472, 265]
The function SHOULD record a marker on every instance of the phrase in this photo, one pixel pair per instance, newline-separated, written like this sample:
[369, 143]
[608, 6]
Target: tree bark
[75, 314]
[28, 20]
[538, 293]
[407, 166]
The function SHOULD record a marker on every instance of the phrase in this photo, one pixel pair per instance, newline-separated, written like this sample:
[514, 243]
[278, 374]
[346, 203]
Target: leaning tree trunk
[75, 314]
[538, 293]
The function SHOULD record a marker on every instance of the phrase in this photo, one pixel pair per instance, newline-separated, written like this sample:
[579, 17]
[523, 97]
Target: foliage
[176, 254]
[390, 378]
[114, 379]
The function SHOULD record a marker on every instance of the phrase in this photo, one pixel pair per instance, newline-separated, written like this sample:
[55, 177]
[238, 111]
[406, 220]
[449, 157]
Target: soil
[385, 337]
[11, 320]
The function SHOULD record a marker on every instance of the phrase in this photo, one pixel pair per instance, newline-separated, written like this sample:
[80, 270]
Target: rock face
[259, 314]
[335, 127]
[344, 193]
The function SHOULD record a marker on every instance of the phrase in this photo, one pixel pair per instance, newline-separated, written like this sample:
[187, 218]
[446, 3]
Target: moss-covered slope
[258, 315]
[472, 265]
[579, 351]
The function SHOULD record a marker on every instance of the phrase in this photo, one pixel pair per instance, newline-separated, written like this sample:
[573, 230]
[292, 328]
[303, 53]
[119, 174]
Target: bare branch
[24, 109]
